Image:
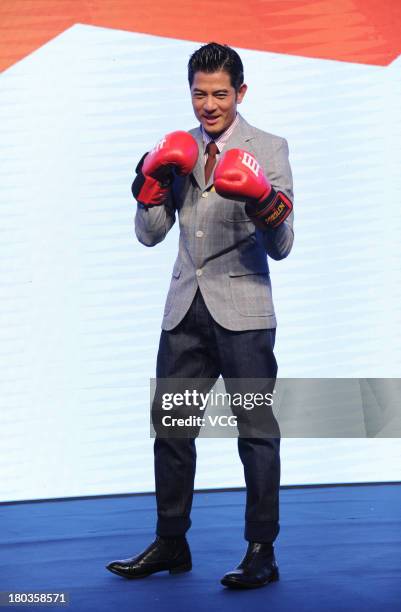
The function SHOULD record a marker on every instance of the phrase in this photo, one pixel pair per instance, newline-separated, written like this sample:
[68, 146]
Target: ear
[241, 93]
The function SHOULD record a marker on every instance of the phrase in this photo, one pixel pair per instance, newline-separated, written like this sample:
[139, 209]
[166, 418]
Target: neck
[214, 136]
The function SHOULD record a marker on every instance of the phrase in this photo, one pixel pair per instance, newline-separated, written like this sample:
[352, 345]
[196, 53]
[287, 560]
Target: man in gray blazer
[229, 185]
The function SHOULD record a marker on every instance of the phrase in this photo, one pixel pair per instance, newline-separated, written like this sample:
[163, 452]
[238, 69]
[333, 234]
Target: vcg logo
[223, 420]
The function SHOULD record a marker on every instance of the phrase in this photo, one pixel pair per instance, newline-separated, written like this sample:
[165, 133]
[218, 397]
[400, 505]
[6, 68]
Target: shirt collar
[221, 141]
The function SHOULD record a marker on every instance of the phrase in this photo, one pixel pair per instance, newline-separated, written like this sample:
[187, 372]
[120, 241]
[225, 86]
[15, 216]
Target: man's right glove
[176, 151]
[238, 176]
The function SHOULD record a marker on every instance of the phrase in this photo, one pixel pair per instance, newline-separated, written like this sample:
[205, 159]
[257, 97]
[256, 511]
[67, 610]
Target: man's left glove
[238, 176]
[176, 151]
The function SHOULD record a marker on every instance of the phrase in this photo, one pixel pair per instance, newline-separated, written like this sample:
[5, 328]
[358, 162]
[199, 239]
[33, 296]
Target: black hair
[214, 57]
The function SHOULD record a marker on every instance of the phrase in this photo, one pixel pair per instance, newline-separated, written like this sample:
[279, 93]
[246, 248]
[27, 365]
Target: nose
[209, 105]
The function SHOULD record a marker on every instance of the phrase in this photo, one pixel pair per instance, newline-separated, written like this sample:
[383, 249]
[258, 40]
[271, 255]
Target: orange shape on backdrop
[362, 31]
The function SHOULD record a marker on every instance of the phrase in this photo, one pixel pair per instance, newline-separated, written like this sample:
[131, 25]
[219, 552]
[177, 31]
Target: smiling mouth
[210, 119]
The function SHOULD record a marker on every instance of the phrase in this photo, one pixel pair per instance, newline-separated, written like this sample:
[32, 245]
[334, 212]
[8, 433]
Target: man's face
[215, 100]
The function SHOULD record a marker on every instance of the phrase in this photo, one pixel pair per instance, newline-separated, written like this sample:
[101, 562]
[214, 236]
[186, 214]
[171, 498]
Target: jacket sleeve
[153, 223]
[278, 242]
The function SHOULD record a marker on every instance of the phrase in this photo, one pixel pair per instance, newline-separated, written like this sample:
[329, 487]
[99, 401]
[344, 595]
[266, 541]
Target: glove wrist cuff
[271, 212]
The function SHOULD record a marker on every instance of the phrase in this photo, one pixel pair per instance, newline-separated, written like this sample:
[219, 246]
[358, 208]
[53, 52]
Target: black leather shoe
[256, 569]
[163, 554]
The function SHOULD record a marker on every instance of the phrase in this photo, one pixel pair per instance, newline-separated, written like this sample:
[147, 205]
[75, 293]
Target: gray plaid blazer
[220, 250]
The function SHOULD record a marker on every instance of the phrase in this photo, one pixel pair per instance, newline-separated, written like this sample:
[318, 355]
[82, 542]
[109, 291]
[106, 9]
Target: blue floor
[339, 549]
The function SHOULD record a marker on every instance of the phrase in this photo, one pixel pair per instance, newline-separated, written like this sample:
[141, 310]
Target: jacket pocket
[172, 292]
[251, 260]
[234, 212]
[177, 269]
[251, 292]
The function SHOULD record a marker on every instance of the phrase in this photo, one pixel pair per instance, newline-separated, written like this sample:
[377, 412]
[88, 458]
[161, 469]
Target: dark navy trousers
[200, 348]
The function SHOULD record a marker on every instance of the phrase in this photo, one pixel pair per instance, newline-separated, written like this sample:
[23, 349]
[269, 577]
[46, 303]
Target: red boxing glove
[238, 176]
[148, 191]
[178, 150]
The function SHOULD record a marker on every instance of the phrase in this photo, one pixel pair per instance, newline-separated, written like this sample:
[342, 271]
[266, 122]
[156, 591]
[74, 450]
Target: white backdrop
[81, 299]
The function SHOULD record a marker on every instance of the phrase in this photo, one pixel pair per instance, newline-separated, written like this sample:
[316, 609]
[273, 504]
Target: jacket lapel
[199, 170]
